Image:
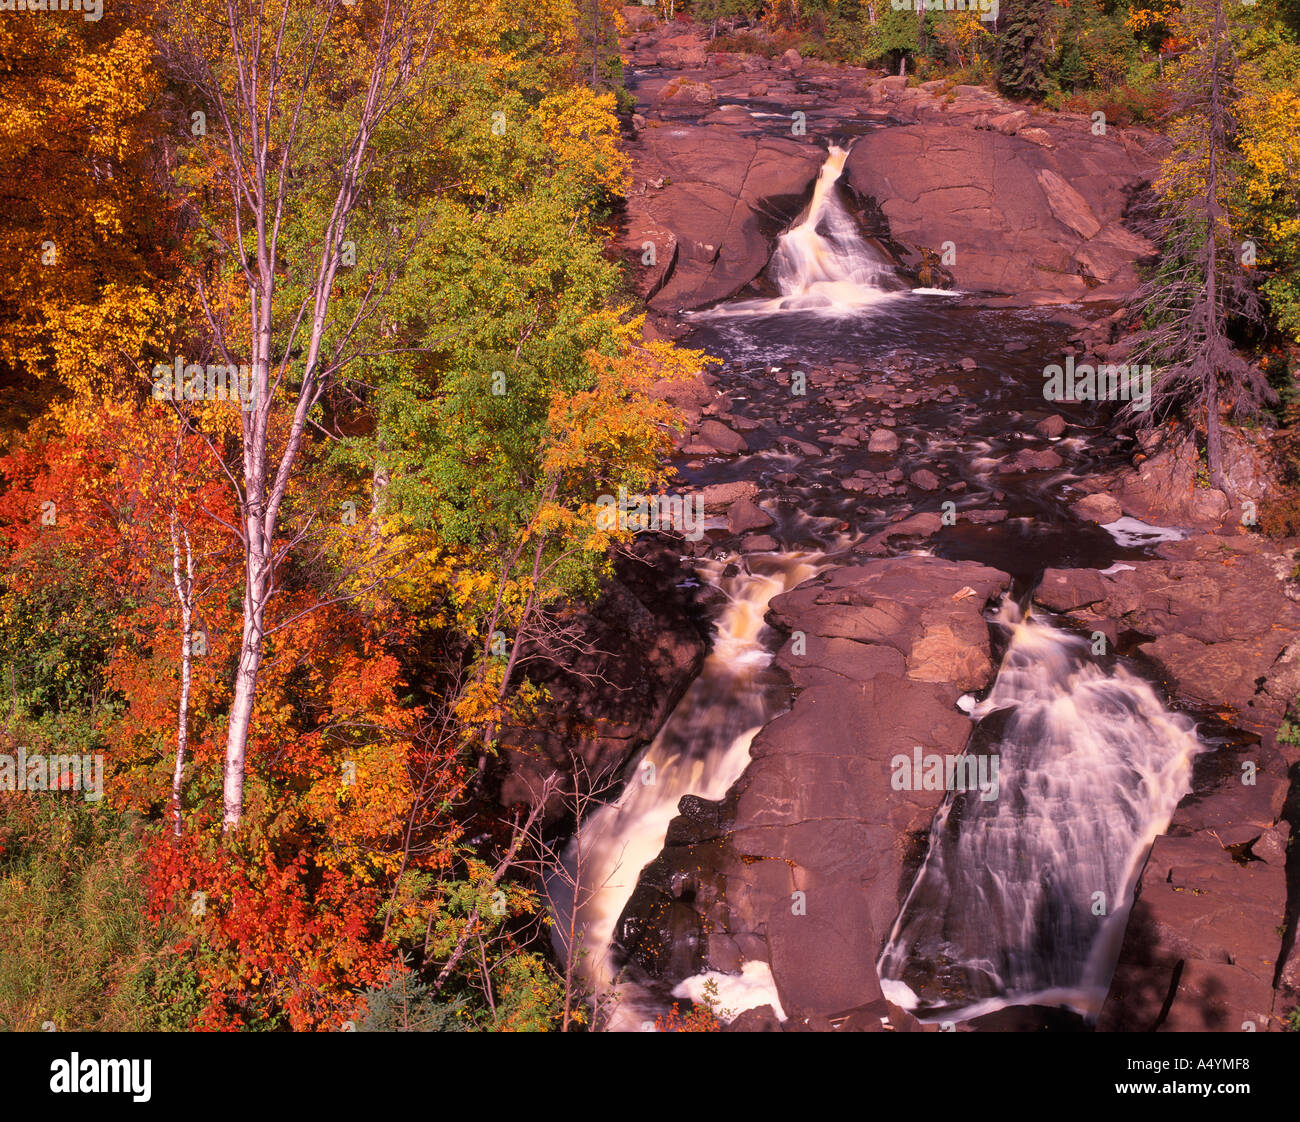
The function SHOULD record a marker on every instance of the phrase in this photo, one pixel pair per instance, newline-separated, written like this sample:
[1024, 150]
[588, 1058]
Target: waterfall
[1026, 897]
[702, 749]
[822, 263]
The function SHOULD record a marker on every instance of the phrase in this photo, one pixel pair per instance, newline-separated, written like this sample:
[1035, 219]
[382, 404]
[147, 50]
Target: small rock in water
[746, 515]
[1051, 426]
[882, 440]
[968, 364]
[1098, 508]
[925, 479]
[715, 436]
[725, 494]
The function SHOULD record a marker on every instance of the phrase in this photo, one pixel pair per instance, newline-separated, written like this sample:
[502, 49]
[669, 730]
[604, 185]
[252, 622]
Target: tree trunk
[185, 595]
[241, 708]
[1214, 439]
[1215, 327]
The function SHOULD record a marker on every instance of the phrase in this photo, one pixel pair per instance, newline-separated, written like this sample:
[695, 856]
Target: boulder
[1052, 426]
[714, 438]
[718, 496]
[721, 190]
[1097, 508]
[883, 440]
[745, 515]
[1019, 214]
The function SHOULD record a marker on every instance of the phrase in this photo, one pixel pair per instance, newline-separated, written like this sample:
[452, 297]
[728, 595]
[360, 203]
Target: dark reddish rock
[925, 479]
[711, 220]
[1018, 213]
[1066, 590]
[1218, 616]
[713, 437]
[1164, 489]
[1052, 426]
[882, 440]
[1098, 508]
[745, 515]
[717, 496]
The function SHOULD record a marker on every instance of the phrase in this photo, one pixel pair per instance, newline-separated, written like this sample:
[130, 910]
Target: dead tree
[1201, 287]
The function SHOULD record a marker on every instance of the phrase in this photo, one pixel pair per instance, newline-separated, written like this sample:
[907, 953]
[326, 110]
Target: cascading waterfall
[823, 263]
[702, 750]
[1025, 898]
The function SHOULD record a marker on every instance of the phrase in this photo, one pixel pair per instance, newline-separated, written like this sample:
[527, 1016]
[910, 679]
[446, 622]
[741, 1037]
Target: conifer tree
[1023, 48]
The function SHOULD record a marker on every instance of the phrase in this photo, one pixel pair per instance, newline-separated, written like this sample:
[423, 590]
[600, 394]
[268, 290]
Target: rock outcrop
[711, 204]
[804, 864]
[1021, 218]
[1213, 614]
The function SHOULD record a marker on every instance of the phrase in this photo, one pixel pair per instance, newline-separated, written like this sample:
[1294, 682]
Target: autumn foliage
[423, 514]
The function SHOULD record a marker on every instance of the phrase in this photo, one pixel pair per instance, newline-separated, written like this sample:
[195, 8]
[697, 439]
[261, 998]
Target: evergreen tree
[1024, 49]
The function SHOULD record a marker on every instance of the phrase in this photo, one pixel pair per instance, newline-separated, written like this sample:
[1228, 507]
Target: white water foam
[702, 749]
[752, 987]
[1025, 899]
[1131, 532]
[822, 263]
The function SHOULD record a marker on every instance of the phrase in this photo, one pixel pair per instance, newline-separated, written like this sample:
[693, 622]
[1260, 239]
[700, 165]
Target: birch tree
[272, 79]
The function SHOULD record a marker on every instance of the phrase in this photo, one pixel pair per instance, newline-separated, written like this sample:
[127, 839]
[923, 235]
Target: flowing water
[1005, 906]
[1024, 898]
[822, 263]
[701, 750]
